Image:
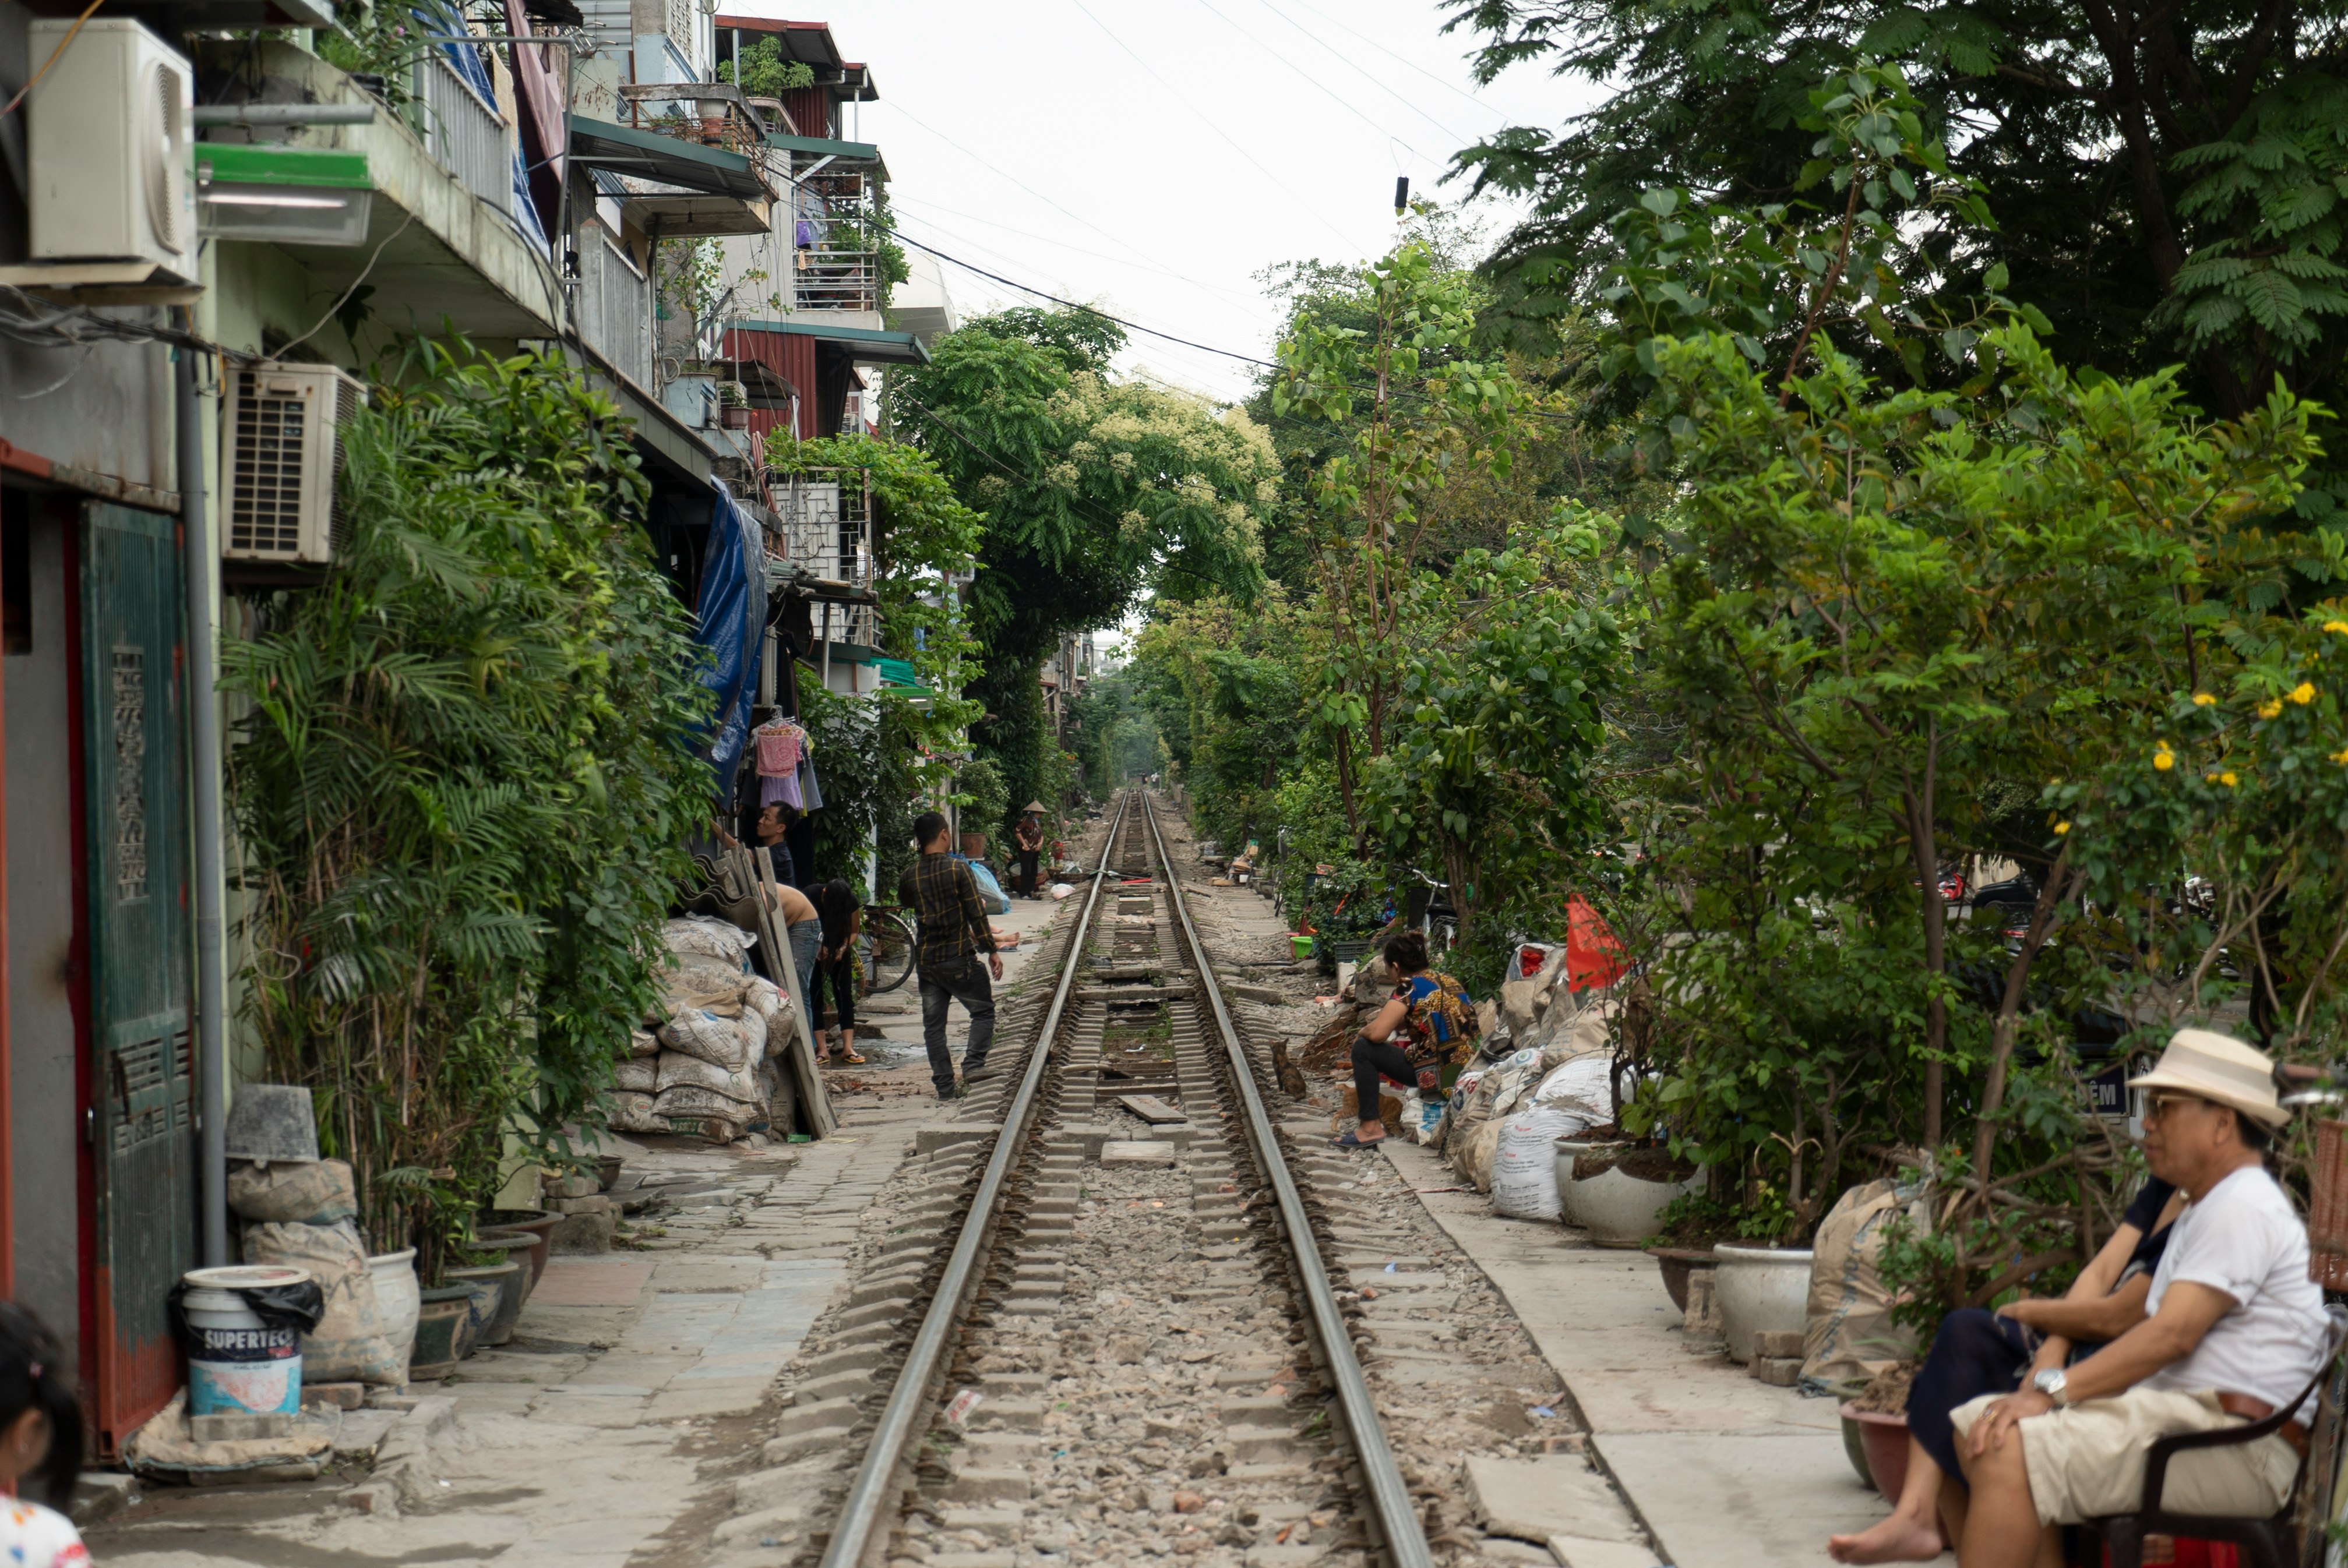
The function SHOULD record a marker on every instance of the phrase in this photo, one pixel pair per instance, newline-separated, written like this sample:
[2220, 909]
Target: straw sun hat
[2219, 1068]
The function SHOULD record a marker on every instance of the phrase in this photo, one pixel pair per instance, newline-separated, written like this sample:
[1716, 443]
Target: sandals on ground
[1349, 1142]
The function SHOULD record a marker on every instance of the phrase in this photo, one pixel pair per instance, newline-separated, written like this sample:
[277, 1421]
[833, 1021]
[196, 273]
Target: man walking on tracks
[939, 889]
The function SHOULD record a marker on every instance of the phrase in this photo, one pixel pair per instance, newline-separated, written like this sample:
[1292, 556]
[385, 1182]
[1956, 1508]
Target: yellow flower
[2228, 778]
[2270, 710]
[2062, 827]
[2339, 626]
[2164, 759]
[2303, 693]
[2340, 757]
[2203, 700]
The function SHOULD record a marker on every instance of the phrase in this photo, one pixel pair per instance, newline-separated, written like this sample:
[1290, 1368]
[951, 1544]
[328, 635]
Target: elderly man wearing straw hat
[2234, 1331]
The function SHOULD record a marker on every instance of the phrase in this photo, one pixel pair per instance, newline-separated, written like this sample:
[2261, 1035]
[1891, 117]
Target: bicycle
[885, 943]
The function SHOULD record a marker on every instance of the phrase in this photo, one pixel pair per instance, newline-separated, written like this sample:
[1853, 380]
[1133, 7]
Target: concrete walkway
[1724, 1471]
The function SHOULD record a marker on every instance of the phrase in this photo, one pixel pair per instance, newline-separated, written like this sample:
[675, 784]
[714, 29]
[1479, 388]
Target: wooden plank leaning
[813, 1100]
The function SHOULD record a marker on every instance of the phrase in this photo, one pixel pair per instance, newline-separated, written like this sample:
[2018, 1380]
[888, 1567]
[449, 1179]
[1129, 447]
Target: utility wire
[1451, 88]
[55, 55]
[1343, 58]
[1317, 84]
[1248, 300]
[1212, 124]
[1089, 310]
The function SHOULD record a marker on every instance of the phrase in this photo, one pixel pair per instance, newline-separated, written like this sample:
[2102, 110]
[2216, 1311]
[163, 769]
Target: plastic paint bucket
[237, 1363]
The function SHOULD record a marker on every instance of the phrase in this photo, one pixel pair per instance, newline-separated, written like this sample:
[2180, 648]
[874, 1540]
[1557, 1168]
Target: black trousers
[1375, 1058]
[840, 978]
[1027, 881]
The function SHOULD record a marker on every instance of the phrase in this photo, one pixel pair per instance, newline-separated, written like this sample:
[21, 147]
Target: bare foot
[1894, 1539]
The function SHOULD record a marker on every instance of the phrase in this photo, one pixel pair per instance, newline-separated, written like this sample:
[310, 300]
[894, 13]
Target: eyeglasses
[2159, 1106]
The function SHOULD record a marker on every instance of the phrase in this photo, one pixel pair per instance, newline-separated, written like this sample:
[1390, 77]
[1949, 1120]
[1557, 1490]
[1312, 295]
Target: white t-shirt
[2243, 1239]
[32, 1536]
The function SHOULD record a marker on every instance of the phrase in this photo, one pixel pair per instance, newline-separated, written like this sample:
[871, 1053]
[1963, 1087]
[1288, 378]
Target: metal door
[142, 1086]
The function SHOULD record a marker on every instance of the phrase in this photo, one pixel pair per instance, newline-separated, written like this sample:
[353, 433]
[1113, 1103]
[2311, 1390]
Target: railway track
[1105, 1291]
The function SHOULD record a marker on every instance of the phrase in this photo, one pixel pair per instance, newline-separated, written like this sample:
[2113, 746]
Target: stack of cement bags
[702, 1068]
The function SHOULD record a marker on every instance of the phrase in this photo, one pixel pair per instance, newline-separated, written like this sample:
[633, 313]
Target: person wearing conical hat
[1030, 837]
[2234, 1332]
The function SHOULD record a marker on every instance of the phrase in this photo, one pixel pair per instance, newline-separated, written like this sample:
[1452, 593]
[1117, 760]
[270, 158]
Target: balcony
[691, 155]
[836, 192]
[826, 535]
[463, 130]
[615, 304]
[439, 207]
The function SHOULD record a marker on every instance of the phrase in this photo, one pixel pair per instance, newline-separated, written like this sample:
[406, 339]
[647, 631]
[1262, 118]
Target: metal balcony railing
[713, 114]
[615, 306]
[463, 131]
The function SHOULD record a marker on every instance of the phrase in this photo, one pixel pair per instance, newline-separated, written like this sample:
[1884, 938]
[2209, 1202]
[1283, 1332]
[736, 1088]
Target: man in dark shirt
[939, 891]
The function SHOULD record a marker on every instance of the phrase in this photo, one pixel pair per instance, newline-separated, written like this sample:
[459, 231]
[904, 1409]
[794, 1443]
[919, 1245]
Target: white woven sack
[708, 937]
[679, 1071]
[635, 1114]
[686, 1100]
[1524, 1168]
[639, 1075]
[1585, 1083]
[642, 1042]
[719, 1040]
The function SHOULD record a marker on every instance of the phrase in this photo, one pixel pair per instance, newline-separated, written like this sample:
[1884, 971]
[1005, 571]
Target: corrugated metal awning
[646, 155]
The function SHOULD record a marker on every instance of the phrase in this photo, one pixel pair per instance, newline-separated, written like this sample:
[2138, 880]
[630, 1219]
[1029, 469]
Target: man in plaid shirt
[938, 887]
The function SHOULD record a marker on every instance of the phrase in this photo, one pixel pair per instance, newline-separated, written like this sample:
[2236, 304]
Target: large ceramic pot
[1759, 1288]
[1615, 1208]
[444, 1332]
[494, 1285]
[1884, 1437]
[396, 1296]
[538, 1224]
[1678, 1262]
[516, 1245]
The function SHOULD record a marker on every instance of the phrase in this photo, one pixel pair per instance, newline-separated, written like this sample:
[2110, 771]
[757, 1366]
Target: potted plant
[1617, 1188]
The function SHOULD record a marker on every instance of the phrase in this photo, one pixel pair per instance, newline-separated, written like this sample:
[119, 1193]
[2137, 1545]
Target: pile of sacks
[707, 1067]
[1499, 1126]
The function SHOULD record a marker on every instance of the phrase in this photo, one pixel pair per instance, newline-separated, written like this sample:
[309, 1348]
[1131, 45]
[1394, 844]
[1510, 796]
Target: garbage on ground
[1061, 889]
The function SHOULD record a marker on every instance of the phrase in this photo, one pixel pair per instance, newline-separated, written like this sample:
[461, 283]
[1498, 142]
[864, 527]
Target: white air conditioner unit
[110, 148]
[281, 426]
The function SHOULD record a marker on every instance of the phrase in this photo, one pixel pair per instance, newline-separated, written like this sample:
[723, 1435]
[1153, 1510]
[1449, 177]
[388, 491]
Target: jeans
[1375, 1058]
[805, 938]
[963, 980]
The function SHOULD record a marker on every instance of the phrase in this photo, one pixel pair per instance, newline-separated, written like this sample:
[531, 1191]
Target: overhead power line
[1080, 305]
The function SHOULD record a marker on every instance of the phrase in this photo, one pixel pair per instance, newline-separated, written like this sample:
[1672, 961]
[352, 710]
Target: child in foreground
[40, 1447]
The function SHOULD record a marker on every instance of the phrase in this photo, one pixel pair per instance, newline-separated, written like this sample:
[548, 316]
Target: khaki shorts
[2086, 1461]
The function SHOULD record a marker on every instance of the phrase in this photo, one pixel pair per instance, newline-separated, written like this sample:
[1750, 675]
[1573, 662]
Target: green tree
[2165, 177]
[1096, 491]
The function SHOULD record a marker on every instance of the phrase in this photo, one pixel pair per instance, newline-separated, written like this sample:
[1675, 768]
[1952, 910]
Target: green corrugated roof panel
[897, 673]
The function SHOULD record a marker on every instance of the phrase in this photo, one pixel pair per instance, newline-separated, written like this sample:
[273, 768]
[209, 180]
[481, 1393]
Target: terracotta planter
[494, 1287]
[734, 416]
[537, 1223]
[1759, 1288]
[1678, 1262]
[1615, 1209]
[444, 1332]
[1884, 1439]
[397, 1297]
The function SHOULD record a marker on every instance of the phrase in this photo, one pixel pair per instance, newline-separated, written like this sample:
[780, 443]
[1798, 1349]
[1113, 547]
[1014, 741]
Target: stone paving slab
[1727, 1471]
[590, 1282]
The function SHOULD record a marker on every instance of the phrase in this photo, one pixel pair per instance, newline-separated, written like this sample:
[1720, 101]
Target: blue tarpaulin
[733, 621]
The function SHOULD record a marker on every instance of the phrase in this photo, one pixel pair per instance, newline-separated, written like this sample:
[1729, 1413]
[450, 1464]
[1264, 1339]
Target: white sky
[1151, 157]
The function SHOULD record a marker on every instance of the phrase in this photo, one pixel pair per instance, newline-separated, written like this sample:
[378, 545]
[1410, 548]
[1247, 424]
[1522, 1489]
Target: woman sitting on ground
[1436, 1022]
[1979, 1352]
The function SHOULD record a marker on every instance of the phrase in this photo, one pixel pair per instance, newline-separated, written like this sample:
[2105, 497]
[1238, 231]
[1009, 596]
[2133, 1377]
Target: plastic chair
[2270, 1542]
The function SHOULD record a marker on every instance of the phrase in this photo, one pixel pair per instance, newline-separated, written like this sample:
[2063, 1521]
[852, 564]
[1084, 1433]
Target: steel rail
[1406, 1539]
[869, 1495]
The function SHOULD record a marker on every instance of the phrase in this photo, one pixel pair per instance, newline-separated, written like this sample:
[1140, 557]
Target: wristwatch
[2055, 1384]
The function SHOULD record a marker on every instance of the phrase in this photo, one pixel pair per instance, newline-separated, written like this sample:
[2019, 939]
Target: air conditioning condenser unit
[110, 144]
[281, 428]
